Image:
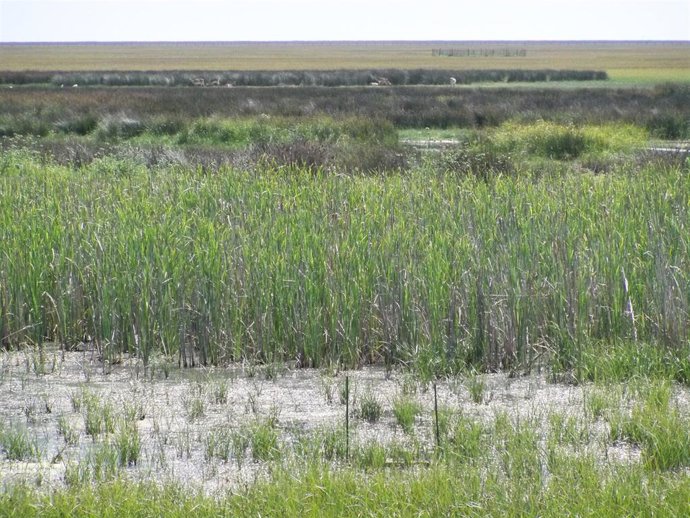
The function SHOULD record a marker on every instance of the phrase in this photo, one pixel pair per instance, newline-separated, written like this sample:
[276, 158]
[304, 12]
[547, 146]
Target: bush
[482, 162]
[565, 142]
[119, 126]
[669, 126]
[80, 126]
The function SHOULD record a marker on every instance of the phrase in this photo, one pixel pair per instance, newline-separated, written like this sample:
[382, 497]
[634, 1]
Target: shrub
[565, 142]
[119, 126]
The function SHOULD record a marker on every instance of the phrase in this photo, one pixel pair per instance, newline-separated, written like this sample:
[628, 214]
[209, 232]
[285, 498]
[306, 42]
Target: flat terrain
[190, 277]
[181, 417]
[624, 61]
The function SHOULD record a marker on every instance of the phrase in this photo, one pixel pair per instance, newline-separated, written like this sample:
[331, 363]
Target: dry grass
[636, 61]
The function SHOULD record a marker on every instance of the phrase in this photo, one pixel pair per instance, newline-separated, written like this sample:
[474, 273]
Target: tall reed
[288, 264]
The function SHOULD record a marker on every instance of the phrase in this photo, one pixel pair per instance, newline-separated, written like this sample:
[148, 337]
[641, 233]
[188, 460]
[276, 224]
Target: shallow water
[301, 401]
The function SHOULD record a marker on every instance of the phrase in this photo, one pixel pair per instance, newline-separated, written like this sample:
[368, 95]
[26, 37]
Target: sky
[313, 20]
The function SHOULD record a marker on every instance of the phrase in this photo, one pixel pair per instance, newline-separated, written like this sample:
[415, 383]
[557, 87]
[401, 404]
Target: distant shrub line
[296, 78]
[484, 53]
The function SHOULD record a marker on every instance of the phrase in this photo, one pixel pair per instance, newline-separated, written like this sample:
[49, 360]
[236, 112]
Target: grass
[369, 407]
[523, 461]
[99, 417]
[263, 440]
[308, 236]
[17, 443]
[219, 444]
[438, 491]
[476, 386]
[285, 264]
[406, 410]
[127, 443]
[658, 427]
[67, 430]
[500, 468]
[167, 115]
[561, 142]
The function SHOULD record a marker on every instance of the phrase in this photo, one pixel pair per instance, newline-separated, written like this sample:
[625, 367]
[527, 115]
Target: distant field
[637, 62]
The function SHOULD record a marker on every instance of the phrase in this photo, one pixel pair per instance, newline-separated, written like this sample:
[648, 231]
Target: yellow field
[626, 62]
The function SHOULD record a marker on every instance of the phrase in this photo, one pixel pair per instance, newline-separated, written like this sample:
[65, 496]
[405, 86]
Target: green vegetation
[497, 469]
[280, 229]
[369, 407]
[658, 428]
[99, 417]
[405, 410]
[327, 78]
[127, 443]
[433, 266]
[17, 444]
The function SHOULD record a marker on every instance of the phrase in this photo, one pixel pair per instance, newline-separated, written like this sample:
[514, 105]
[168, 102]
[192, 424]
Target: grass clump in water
[17, 444]
[406, 410]
[369, 407]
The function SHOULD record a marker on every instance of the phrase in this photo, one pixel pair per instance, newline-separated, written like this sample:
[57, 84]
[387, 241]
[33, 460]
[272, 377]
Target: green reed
[287, 264]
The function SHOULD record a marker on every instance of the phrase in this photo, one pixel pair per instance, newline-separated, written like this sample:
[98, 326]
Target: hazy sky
[245, 20]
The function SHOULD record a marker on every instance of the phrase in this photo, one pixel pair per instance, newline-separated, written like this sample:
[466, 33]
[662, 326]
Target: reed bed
[425, 268]
[664, 110]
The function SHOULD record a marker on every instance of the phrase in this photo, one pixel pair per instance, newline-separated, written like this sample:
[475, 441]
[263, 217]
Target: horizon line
[344, 41]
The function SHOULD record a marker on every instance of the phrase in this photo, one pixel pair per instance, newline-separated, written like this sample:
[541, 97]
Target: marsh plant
[406, 410]
[567, 430]
[328, 388]
[127, 442]
[369, 407]
[193, 402]
[100, 464]
[462, 438]
[182, 442]
[325, 443]
[657, 425]
[220, 392]
[99, 416]
[478, 299]
[67, 430]
[476, 385]
[133, 411]
[263, 439]
[218, 444]
[17, 443]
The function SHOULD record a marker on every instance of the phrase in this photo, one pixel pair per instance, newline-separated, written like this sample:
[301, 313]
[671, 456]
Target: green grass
[511, 465]
[406, 410]
[263, 440]
[128, 443]
[18, 443]
[420, 267]
[218, 444]
[67, 430]
[564, 142]
[99, 416]
[575, 488]
[370, 408]
[658, 427]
